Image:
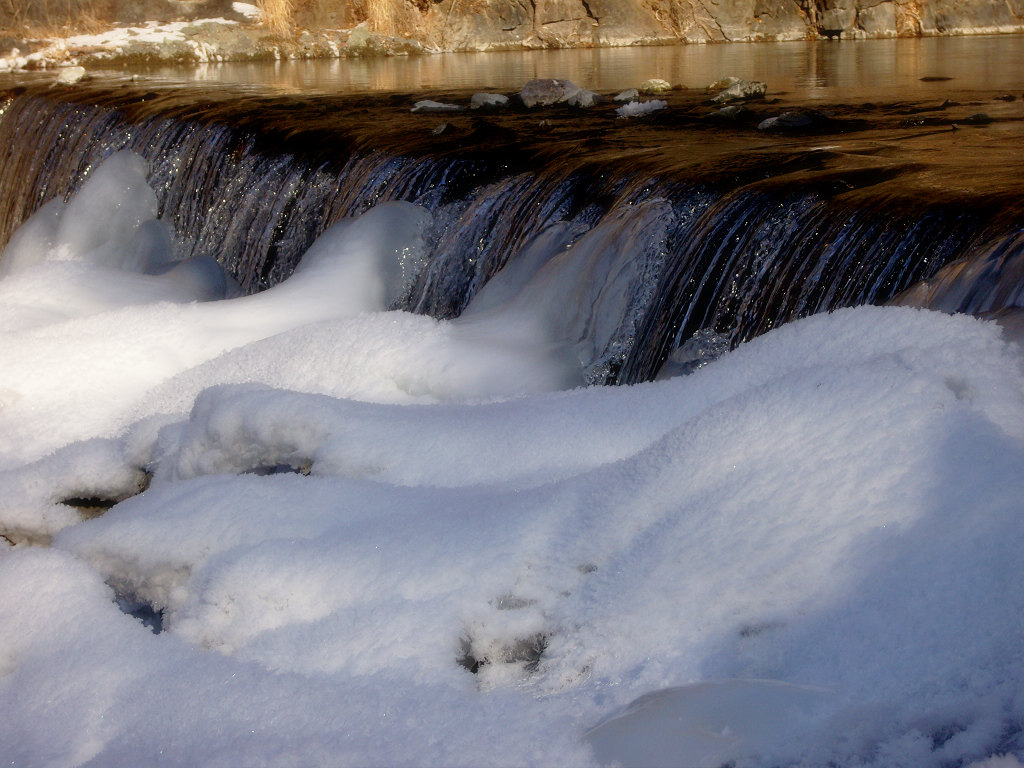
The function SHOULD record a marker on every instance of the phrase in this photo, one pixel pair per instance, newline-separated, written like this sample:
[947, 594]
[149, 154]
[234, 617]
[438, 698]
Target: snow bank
[371, 538]
[149, 37]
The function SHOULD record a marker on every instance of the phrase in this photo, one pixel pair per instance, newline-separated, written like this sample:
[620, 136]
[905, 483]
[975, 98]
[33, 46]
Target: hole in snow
[1012, 739]
[526, 651]
[298, 468]
[961, 388]
[753, 630]
[151, 617]
[467, 659]
[941, 735]
[90, 506]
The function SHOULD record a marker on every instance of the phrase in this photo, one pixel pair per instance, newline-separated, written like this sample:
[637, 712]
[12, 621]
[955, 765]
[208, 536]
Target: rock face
[558, 23]
[506, 24]
[34, 12]
[352, 27]
[499, 24]
[543, 93]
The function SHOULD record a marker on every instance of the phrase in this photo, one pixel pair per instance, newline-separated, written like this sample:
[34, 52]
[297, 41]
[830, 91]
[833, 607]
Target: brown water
[857, 70]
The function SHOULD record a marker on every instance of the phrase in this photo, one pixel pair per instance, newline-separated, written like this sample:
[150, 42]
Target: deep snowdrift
[377, 539]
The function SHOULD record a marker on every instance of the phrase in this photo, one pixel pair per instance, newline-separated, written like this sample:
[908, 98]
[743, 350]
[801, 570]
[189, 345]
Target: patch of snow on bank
[375, 538]
[250, 11]
[64, 50]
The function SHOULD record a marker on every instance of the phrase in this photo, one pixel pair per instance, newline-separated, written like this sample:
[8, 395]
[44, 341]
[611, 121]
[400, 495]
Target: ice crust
[807, 552]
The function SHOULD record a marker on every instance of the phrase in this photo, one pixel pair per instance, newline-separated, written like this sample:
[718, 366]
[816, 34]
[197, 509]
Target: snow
[641, 108]
[806, 552]
[709, 723]
[62, 52]
[250, 11]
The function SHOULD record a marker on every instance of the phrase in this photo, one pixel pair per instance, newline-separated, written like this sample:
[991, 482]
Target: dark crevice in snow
[466, 658]
[297, 468]
[94, 505]
[526, 651]
[754, 630]
[1012, 741]
[942, 735]
[151, 617]
[89, 506]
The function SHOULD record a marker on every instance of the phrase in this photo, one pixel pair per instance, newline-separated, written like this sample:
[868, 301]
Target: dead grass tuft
[52, 18]
[383, 16]
[278, 15]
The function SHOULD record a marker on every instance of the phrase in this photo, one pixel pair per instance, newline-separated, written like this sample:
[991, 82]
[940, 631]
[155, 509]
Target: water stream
[637, 253]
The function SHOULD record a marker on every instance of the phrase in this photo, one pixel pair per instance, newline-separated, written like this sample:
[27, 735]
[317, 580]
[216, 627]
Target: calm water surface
[867, 69]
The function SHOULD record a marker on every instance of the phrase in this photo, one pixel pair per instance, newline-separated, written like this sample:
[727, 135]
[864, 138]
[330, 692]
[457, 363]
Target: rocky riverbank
[196, 42]
[142, 34]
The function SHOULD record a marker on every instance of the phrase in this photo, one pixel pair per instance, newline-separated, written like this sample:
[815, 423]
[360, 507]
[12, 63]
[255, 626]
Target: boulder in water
[584, 99]
[363, 42]
[434, 106]
[632, 94]
[791, 121]
[655, 85]
[723, 83]
[487, 101]
[545, 92]
[71, 76]
[742, 90]
[730, 112]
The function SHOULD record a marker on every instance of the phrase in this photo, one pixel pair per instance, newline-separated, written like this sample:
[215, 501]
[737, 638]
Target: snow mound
[370, 538]
[708, 723]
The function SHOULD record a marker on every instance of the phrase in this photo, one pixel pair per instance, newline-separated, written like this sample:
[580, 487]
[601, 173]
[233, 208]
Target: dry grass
[281, 16]
[278, 15]
[383, 16]
[43, 18]
[49, 18]
[13, 14]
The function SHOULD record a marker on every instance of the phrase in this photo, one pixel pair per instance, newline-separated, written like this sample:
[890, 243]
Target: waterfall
[988, 282]
[632, 268]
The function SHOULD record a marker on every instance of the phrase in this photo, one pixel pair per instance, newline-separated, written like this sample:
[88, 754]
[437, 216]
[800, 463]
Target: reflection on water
[813, 70]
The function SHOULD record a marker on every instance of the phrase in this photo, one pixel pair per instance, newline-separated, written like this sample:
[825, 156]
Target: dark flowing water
[651, 243]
